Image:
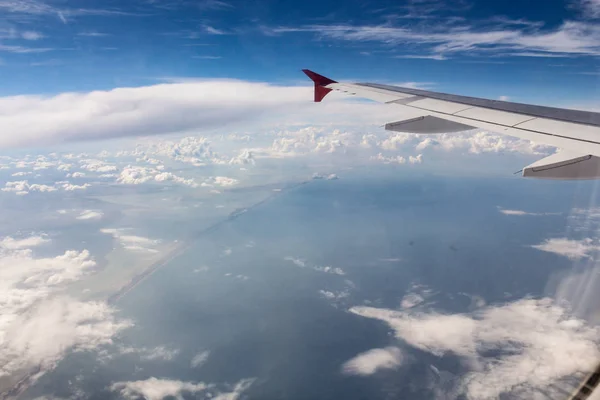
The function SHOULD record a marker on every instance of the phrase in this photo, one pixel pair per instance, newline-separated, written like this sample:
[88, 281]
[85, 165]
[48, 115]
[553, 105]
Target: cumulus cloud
[24, 187]
[398, 159]
[168, 176]
[136, 175]
[244, 158]
[220, 181]
[10, 243]
[38, 324]
[132, 242]
[573, 249]
[157, 389]
[195, 150]
[94, 165]
[90, 215]
[22, 173]
[535, 343]
[371, 361]
[69, 187]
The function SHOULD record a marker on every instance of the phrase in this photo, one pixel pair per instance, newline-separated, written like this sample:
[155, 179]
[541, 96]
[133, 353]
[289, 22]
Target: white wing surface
[575, 131]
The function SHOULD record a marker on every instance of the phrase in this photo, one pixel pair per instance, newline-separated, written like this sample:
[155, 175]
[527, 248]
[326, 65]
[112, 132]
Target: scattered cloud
[244, 158]
[136, 175]
[327, 269]
[23, 49]
[31, 35]
[157, 389]
[516, 348]
[159, 353]
[327, 177]
[415, 296]
[39, 323]
[94, 165]
[9, 243]
[214, 31]
[200, 359]
[572, 249]
[222, 181]
[69, 187]
[515, 212]
[90, 215]
[371, 361]
[590, 8]
[437, 57]
[334, 296]
[24, 187]
[132, 242]
[237, 391]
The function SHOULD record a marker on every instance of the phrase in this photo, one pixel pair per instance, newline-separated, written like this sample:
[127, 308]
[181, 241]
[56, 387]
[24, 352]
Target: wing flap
[564, 165]
[426, 125]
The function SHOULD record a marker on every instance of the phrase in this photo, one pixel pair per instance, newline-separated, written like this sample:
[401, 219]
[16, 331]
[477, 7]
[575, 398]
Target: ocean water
[267, 293]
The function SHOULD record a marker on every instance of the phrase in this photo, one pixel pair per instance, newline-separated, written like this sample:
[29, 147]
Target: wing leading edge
[575, 131]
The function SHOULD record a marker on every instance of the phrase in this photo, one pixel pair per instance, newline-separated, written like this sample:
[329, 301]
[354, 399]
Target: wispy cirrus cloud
[211, 30]
[441, 39]
[38, 8]
[93, 34]
[23, 49]
[589, 8]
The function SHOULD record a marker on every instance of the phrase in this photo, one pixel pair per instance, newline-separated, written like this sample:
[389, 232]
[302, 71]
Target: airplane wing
[576, 132]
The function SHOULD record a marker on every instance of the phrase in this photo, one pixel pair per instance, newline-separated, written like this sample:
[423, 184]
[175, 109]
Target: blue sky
[524, 50]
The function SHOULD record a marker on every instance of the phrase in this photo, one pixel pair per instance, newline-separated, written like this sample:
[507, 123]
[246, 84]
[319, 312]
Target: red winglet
[320, 83]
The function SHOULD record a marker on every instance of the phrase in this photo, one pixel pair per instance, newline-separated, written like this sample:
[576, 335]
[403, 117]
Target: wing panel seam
[508, 126]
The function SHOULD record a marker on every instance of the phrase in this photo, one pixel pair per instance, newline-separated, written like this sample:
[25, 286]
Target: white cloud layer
[535, 342]
[573, 249]
[371, 361]
[38, 324]
[207, 104]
